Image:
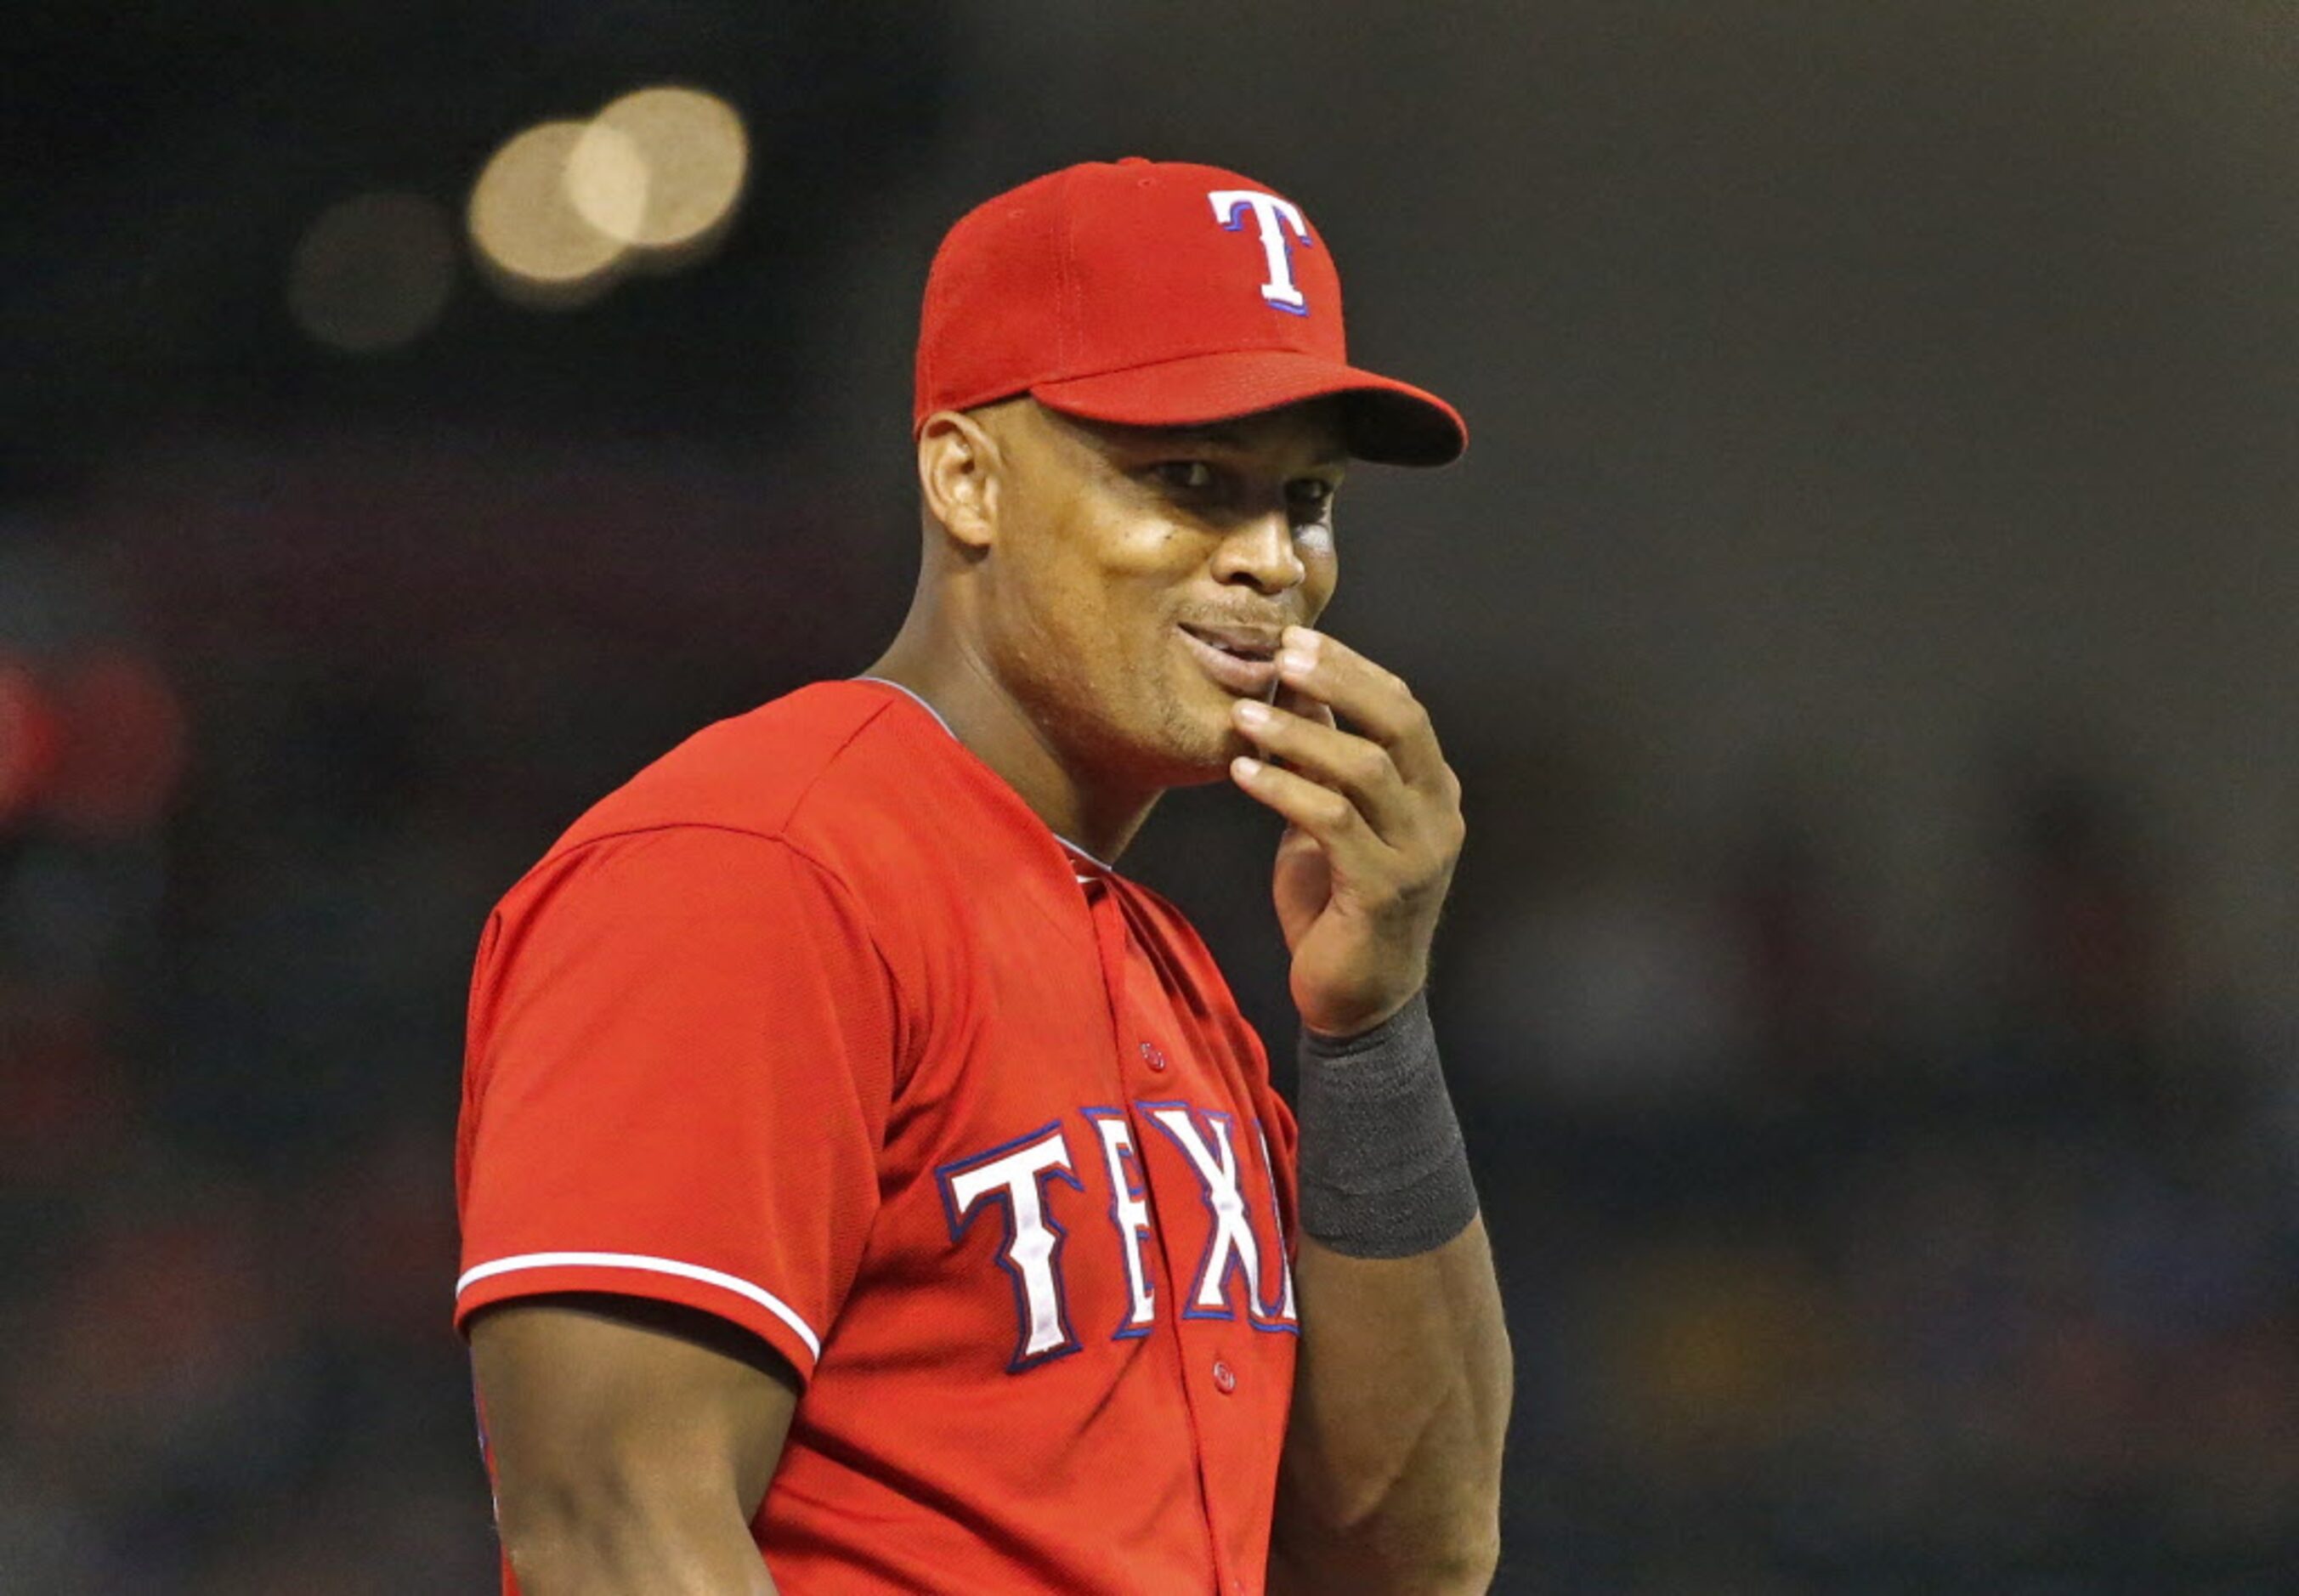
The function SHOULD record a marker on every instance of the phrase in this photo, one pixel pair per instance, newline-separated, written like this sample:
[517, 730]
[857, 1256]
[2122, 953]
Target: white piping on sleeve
[658, 1265]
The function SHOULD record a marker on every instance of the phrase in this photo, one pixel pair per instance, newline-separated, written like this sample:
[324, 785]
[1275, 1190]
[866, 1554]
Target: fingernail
[1296, 661]
[1253, 712]
[1246, 768]
[1300, 638]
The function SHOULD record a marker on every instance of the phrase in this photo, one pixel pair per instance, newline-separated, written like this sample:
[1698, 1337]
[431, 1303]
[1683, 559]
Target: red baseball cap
[1156, 293]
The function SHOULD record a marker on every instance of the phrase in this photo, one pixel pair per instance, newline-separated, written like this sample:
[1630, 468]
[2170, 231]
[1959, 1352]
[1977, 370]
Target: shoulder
[835, 771]
[754, 772]
[852, 782]
[755, 804]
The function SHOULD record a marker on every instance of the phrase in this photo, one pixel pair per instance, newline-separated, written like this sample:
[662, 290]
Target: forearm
[1391, 1475]
[1391, 1472]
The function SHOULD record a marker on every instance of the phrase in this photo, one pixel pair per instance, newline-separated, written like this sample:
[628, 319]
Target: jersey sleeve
[681, 1054]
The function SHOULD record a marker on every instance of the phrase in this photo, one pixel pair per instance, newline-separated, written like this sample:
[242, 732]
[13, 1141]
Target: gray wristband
[1383, 1170]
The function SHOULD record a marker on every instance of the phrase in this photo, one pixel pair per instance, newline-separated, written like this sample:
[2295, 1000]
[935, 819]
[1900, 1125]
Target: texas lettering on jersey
[1036, 1188]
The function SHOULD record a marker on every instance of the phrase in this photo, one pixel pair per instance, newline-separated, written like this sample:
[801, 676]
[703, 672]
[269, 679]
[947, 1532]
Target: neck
[999, 730]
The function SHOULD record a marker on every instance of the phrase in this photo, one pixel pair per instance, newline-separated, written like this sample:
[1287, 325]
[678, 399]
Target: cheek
[1130, 575]
[1146, 553]
[1089, 614]
[1099, 597]
[1324, 569]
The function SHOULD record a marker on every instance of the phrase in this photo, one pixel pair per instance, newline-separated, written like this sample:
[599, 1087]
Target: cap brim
[1389, 421]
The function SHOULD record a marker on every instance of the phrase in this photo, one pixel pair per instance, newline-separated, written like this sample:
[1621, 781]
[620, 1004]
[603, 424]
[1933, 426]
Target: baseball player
[864, 1188]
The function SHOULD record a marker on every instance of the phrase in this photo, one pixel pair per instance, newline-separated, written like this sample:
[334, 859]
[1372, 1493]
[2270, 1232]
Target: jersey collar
[1079, 858]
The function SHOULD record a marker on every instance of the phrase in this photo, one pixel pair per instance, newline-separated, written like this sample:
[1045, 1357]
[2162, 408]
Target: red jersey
[815, 1027]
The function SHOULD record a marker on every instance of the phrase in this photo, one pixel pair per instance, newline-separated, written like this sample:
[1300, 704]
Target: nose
[1260, 553]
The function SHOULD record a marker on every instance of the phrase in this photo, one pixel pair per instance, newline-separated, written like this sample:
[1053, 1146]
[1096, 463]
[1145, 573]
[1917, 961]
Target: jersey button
[1225, 1378]
[1152, 1057]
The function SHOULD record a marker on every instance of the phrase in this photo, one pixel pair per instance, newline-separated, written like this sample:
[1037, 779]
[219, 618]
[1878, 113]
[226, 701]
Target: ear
[958, 463]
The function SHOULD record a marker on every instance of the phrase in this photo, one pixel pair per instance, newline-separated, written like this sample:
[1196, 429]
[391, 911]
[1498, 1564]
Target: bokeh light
[661, 169]
[540, 248]
[561, 210]
[372, 272]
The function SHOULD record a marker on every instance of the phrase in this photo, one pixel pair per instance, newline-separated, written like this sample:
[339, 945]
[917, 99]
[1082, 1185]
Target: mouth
[1241, 660]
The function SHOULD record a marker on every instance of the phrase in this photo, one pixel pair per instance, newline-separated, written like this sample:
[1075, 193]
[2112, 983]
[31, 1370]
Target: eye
[1183, 476]
[1310, 496]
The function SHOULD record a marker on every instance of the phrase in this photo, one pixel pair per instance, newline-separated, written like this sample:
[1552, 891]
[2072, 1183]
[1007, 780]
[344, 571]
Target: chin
[1163, 730]
[1198, 745]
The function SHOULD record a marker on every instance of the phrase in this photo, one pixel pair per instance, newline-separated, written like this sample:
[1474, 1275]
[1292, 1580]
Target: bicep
[622, 1428]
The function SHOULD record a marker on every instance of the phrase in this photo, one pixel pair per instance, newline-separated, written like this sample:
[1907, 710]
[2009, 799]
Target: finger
[1318, 811]
[1359, 767]
[1375, 701]
[1302, 704]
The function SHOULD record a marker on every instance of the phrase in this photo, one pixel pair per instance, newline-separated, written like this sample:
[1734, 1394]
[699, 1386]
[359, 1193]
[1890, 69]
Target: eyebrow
[1229, 437]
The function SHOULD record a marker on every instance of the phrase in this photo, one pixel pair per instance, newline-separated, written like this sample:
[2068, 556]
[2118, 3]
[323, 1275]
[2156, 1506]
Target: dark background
[1865, 623]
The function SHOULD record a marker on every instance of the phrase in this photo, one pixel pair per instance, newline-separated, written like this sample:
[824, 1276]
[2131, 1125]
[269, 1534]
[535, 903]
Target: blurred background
[1864, 620]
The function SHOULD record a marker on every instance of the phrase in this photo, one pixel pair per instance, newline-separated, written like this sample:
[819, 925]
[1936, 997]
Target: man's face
[1142, 576]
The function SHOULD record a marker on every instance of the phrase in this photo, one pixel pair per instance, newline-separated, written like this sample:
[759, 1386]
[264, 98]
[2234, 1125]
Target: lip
[1250, 639]
[1247, 678]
